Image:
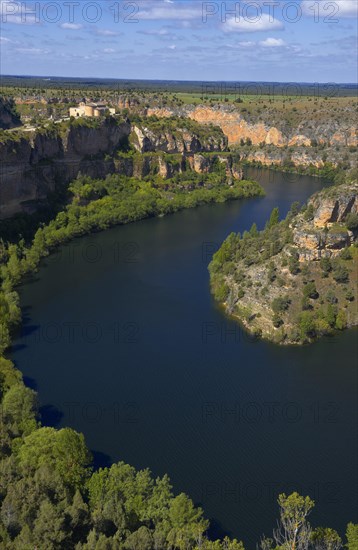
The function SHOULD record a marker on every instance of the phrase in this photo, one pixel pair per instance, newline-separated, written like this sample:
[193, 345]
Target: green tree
[64, 450]
[326, 266]
[341, 320]
[352, 536]
[293, 265]
[280, 304]
[274, 218]
[341, 274]
[307, 325]
[326, 539]
[352, 221]
[20, 408]
[294, 531]
[310, 291]
[187, 523]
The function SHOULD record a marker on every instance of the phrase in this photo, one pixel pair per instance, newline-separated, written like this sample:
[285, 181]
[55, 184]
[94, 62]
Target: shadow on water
[101, 460]
[50, 416]
[216, 530]
[30, 382]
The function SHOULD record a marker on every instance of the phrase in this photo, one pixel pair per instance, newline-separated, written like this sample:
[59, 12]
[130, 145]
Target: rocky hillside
[177, 135]
[238, 126]
[35, 163]
[296, 280]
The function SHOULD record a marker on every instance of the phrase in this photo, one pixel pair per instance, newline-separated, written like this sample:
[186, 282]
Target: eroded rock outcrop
[33, 164]
[236, 127]
[146, 140]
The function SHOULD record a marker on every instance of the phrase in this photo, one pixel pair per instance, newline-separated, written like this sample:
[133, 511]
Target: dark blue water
[124, 343]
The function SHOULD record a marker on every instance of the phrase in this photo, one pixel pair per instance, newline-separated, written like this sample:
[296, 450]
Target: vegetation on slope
[292, 282]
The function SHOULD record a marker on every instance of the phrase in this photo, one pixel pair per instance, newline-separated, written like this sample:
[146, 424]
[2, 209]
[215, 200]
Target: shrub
[346, 254]
[310, 291]
[280, 304]
[341, 274]
[352, 221]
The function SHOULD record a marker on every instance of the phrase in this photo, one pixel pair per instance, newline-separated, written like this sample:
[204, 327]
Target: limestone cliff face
[325, 235]
[32, 166]
[147, 164]
[182, 141]
[236, 127]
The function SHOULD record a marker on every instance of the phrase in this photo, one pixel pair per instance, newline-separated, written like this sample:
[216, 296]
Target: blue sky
[272, 40]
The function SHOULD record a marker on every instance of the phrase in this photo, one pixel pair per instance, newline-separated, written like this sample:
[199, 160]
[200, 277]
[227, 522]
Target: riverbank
[99, 205]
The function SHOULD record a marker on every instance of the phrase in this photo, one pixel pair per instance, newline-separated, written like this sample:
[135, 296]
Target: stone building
[91, 110]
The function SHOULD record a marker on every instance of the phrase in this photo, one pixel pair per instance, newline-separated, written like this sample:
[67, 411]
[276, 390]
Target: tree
[341, 274]
[140, 540]
[280, 304]
[307, 325]
[294, 265]
[310, 291]
[20, 408]
[187, 523]
[276, 320]
[352, 536]
[331, 314]
[326, 539]
[331, 297]
[64, 450]
[274, 218]
[346, 254]
[352, 221]
[254, 231]
[293, 531]
[326, 266]
[341, 320]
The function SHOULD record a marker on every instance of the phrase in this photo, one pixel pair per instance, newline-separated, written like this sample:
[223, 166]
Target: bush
[310, 291]
[326, 266]
[352, 221]
[276, 320]
[341, 274]
[293, 266]
[346, 254]
[280, 304]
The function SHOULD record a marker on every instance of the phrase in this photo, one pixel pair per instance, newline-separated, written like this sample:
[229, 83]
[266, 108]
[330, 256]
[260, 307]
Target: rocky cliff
[181, 140]
[238, 126]
[325, 235]
[34, 163]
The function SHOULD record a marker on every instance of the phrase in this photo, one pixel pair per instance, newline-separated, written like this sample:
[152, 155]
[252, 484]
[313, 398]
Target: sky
[261, 40]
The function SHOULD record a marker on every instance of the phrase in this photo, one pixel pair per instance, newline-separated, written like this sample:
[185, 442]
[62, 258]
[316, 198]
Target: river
[123, 342]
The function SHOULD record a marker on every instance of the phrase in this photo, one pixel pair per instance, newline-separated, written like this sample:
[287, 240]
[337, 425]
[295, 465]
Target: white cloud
[109, 50]
[168, 10]
[330, 10]
[32, 51]
[105, 32]
[71, 26]
[262, 23]
[3, 39]
[272, 43]
[172, 47]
